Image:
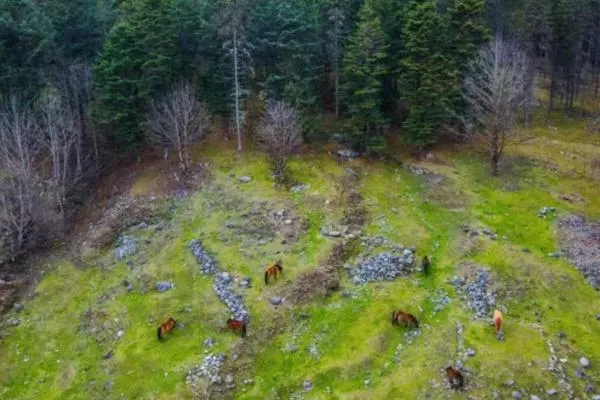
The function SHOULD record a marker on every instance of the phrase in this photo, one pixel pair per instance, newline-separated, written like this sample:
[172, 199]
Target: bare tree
[279, 134]
[62, 138]
[19, 146]
[178, 120]
[495, 89]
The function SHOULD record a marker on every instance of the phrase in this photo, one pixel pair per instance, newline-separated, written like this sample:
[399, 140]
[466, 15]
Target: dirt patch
[580, 241]
[125, 213]
[439, 189]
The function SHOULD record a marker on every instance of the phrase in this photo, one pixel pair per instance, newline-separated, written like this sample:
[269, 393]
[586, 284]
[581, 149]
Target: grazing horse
[273, 271]
[404, 319]
[425, 264]
[455, 378]
[166, 327]
[498, 319]
[237, 325]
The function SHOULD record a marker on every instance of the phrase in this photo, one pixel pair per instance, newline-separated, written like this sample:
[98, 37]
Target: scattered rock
[517, 395]
[510, 383]
[165, 286]
[547, 212]
[18, 307]
[534, 397]
[299, 188]
[108, 355]
[14, 322]
[246, 283]
[479, 298]
[244, 179]
[307, 385]
[331, 233]
[584, 362]
[470, 352]
[275, 300]
[551, 392]
[440, 301]
[120, 334]
[384, 267]
[208, 266]
[126, 246]
[579, 373]
[209, 369]
[580, 241]
[209, 342]
[345, 153]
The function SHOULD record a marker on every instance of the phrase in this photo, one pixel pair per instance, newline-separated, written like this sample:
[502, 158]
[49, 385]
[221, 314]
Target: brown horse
[273, 271]
[455, 378]
[404, 319]
[425, 264]
[498, 319]
[166, 327]
[237, 325]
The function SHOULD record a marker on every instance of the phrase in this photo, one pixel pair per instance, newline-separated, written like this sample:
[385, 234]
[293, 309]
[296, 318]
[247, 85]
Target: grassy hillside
[83, 335]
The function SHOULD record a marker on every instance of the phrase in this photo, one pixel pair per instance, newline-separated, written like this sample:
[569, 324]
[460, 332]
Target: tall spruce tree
[428, 79]
[364, 70]
[139, 61]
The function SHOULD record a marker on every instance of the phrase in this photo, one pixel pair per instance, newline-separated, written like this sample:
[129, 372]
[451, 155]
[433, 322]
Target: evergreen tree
[468, 31]
[364, 69]
[286, 50]
[428, 79]
[140, 60]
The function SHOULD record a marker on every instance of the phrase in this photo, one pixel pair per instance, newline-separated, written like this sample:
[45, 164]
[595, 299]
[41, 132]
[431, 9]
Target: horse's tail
[243, 329]
[266, 277]
[159, 333]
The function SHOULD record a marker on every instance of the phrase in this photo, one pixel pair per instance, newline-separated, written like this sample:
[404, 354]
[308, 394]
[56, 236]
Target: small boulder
[244, 179]
[307, 386]
[551, 392]
[345, 153]
[165, 286]
[470, 352]
[18, 307]
[128, 285]
[584, 362]
[14, 322]
[275, 300]
[517, 395]
[108, 355]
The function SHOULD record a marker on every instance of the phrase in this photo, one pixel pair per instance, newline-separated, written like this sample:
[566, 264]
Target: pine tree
[428, 79]
[139, 61]
[364, 69]
[468, 31]
[286, 51]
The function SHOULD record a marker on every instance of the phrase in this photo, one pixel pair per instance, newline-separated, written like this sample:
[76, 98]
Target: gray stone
[552, 392]
[331, 233]
[108, 355]
[470, 352]
[18, 307]
[299, 188]
[307, 385]
[584, 362]
[534, 397]
[209, 342]
[596, 397]
[598, 317]
[244, 179]
[517, 395]
[229, 379]
[14, 322]
[165, 286]
[579, 373]
[344, 153]
[510, 383]
[275, 300]
[128, 286]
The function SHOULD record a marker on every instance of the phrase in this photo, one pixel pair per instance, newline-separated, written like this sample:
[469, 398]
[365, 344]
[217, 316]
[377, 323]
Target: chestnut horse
[498, 319]
[404, 319]
[237, 325]
[455, 378]
[273, 271]
[166, 327]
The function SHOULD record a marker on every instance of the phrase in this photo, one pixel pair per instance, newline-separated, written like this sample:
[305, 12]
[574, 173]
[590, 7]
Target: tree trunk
[237, 91]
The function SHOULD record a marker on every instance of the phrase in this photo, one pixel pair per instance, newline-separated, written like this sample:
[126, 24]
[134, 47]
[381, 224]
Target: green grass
[51, 355]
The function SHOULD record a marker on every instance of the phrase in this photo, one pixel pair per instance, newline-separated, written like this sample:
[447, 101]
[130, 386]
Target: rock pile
[209, 369]
[547, 212]
[208, 265]
[581, 242]
[479, 297]
[384, 267]
[223, 285]
[126, 246]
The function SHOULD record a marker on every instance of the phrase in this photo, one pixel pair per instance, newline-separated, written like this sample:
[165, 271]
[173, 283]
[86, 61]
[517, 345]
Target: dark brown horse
[404, 319]
[273, 271]
[455, 378]
[425, 264]
[237, 325]
[166, 327]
